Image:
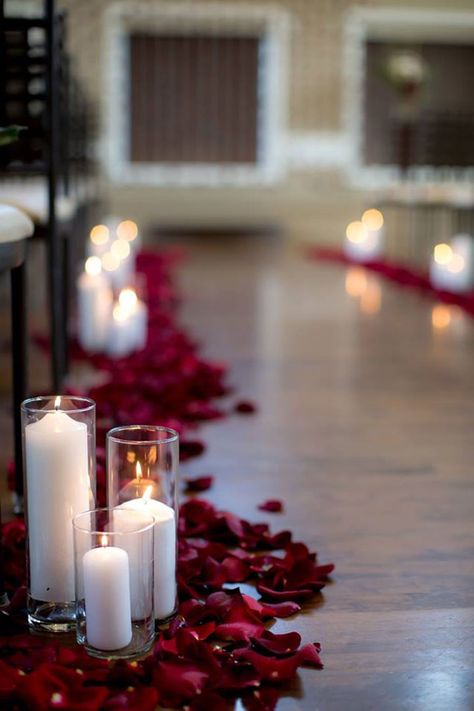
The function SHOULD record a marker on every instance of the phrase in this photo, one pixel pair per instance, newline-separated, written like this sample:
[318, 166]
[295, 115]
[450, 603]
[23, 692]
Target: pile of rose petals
[399, 274]
[218, 646]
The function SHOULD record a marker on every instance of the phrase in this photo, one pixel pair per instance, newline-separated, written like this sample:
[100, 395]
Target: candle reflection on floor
[449, 318]
[365, 288]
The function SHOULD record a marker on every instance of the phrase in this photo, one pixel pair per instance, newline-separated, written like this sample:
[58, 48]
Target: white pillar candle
[450, 269]
[138, 315]
[120, 337]
[165, 552]
[94, 306]
[107, 598]
[57, 472]
[363, 244]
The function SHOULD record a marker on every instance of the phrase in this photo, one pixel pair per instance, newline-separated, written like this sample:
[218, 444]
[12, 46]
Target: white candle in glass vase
[138, 314]
[450, 269]
[365, 238]
[120, 337]
[57, 471]
[107, 597]
[94, 305]
[165, 551]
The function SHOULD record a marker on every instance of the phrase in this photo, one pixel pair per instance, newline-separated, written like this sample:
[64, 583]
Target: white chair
[15, 228]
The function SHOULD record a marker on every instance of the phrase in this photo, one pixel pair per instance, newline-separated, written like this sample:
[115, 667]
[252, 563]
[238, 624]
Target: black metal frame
[12, 259]
[63, 149]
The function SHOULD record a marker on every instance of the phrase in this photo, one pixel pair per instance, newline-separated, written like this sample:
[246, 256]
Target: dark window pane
[194, 99]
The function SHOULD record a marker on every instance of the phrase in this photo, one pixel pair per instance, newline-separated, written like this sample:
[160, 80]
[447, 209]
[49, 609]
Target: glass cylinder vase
[114, 574]
[59, 455]
[142, 471]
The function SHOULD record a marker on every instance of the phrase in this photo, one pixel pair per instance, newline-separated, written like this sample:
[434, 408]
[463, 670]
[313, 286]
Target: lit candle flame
[356, 232]
[127, 230]
[147, 494]
[100, 234]
[128, 299]
[372, 219]
[138, 470]
[57, 402]
[443, 253]
[93, 266]
[120, 249]
[103, 541]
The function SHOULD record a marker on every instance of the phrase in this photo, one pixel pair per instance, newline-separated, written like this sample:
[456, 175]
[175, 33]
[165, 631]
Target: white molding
[391, 24]
[268, 22]
[322, 150]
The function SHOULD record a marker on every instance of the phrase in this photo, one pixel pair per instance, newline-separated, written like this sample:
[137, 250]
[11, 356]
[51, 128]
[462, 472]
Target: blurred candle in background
[365, 237]
[99, 239]
[138, 315]
[128, 230]
[94, 306]
[451, 267]
[120, 341]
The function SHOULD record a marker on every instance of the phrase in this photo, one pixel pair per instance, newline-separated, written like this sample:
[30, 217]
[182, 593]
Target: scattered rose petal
[274, 505]
[199, 483]
[245, 407]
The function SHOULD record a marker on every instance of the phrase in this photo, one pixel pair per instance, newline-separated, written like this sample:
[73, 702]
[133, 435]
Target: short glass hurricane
[114, 576]
[59, 473]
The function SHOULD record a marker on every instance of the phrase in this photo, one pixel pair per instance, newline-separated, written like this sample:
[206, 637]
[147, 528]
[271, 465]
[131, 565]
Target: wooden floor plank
[364, 429]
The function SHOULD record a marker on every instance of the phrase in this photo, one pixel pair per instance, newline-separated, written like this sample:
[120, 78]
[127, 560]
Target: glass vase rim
[173, 434]
[26, 405]
[142, 528]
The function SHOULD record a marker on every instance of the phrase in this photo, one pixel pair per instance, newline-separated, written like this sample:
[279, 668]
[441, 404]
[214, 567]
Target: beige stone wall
[312, 205]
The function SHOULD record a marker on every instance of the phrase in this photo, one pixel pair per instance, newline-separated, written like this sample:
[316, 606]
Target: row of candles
[109, 572]
[111, 317]
[451, 265]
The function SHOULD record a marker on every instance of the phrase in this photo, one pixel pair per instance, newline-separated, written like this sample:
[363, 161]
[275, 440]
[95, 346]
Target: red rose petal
[245, 407]
[277, 644]
[200, 483]
[273, 505]
[288, 595]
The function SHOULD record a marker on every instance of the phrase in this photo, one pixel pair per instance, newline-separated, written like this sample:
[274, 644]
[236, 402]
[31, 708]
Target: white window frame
[392, 24]
[270, 24]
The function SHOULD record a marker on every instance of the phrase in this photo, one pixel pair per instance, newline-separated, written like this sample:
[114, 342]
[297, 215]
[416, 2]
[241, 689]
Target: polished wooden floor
[365, 430]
